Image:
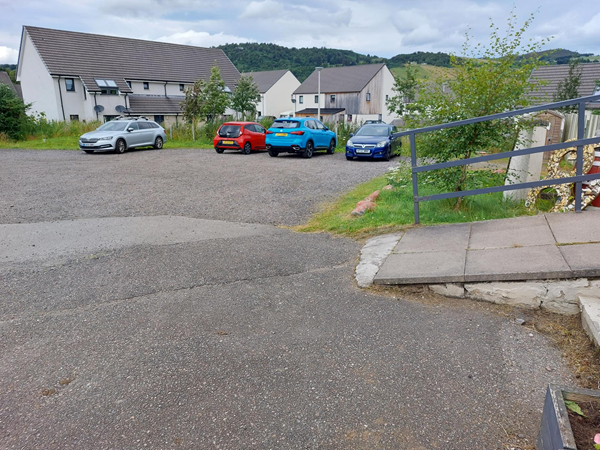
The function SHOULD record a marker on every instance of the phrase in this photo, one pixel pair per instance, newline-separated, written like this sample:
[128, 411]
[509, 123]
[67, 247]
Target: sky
[376, 27]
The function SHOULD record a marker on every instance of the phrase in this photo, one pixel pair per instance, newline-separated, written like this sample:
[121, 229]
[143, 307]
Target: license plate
[88, 145]
[281, 134]
[363, 151]
[228, 142]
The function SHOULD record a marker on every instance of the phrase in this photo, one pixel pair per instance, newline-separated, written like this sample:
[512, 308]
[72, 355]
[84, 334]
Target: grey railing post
[415, 183]
[579, 172]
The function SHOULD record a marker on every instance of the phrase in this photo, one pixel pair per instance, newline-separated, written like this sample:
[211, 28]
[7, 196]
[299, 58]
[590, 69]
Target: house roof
[340, 79]
[93, 56]
[5, 79]
[149, 104]
[266, 80]
[325, 111]
[555, 74]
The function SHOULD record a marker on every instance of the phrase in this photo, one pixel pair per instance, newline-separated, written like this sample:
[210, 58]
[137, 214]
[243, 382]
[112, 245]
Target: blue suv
[299, 135]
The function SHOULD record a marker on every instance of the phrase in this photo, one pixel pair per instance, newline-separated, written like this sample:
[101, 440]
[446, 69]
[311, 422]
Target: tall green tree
[193, 105]
[13, 114]
[215, 98]
[245, 97]
[405, 91]
[490, 79]
[568, 88]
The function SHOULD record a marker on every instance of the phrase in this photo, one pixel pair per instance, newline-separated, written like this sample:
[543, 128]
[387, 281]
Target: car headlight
[382, 144]
[350, 143]
[105, 138]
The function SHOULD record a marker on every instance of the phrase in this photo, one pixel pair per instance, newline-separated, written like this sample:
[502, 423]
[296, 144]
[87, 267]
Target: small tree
[490, 79]
[215, 98]
[193, 105]
[568, 88]
[405, 88]
[245, 97]
[13, 114]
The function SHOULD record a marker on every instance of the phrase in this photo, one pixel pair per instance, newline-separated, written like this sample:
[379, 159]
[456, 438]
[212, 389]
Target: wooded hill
[256, 57]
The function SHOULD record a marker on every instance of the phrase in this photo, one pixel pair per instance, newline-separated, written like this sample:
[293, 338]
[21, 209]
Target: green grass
[394, 211]
[71, 143]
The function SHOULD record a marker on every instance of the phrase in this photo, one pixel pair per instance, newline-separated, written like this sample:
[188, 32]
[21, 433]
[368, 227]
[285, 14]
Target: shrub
[13, 114]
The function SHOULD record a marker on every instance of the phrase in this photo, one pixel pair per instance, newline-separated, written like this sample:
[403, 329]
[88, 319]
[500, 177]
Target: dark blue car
[373, 141]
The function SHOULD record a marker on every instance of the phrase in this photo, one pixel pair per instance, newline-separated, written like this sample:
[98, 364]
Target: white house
[79, 76]
[276, 88]
[352, 93]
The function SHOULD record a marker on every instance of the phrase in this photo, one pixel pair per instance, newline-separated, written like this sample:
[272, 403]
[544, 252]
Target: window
[316, 99]
[332, 98]
[286, 124]
[387, 97]
[319, 125]
[133, 125]
[144, 125]
[128, 84]
[74, 117]
[311, 124]
[301, 99]
[146, 85]
[259, 129]
[159, 119]
[368, 96]
[250, 128]
[153, 125]
[109, 92]
[70, 84]
[101, 82]
[108, 119]
[181, 86]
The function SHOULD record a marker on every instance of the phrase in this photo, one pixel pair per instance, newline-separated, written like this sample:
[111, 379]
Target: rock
[448, 290]
[520, 321]
[373, 196]
[362, 207]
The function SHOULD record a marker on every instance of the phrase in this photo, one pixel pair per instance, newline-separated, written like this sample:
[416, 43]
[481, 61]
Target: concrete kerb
[372, 256]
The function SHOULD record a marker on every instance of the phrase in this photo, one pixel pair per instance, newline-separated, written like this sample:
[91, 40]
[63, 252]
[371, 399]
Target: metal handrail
[580, 142]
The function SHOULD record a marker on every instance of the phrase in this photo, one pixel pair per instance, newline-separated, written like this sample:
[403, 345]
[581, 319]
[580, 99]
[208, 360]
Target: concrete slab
[421, 268]
[435, 239]
[519, 263]
[573, 227]
[372, 256]
[518, 231]
[590, 317]
[583, 259]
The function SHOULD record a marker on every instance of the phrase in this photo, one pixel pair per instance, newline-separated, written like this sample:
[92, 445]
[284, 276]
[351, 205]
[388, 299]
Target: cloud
[261, 10]
[202, 38]
[8, 55]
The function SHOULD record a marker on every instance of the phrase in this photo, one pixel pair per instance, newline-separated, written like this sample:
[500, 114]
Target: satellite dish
[120, 108]
[98, 108]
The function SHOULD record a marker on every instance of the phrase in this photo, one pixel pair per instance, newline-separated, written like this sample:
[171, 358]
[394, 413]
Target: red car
[244, 136]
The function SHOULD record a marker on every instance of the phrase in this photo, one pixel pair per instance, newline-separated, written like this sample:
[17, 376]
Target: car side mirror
[351, 134]
[130, 129]
[326, 129]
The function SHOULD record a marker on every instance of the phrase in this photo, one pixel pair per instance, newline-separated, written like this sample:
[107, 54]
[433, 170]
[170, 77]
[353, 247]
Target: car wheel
[331, 148]
[219, 150]
[89, 151]
[158, 142]
[388, 154]
[308, 151]
[247, 148]
[273, 153]
[120, 147]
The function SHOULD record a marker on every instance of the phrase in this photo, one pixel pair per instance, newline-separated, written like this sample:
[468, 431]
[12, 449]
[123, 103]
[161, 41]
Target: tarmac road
[147, 301]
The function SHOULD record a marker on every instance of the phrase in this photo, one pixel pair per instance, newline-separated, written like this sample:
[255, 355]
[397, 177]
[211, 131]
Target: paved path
[524, 248]
[160, 309]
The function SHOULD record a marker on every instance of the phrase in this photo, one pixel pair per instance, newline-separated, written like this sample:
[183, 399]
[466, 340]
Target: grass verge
[71, 143]
[394, 211]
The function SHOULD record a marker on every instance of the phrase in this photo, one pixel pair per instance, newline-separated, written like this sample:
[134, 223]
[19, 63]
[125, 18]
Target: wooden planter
[555, 430]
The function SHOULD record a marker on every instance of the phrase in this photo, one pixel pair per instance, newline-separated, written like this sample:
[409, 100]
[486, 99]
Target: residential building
[276, 88]
[79, 76]
[353, 94]
[552, 76]
[16, 88]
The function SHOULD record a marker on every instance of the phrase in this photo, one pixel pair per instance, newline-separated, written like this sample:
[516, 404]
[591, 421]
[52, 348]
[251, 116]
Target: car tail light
[299, 133]
[269, 132]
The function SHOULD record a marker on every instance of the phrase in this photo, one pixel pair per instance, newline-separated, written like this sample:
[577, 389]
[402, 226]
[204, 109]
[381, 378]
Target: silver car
[122, 134]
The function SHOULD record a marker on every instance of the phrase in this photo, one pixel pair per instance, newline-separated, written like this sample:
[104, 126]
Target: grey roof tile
[91, 56]
[148, 104]
[555, 74]
[340, 79]
[265, 80]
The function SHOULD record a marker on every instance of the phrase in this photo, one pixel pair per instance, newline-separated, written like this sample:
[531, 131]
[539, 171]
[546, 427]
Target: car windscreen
[373, 131]
[286, 124]
[229, 130]
[113, 126]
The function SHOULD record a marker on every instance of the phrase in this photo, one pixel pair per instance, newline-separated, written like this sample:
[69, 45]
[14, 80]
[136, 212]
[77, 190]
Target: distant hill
[563, 56]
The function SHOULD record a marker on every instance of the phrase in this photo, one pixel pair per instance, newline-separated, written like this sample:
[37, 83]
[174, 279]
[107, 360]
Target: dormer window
[128, 84]
[70, 84]
[146, 85]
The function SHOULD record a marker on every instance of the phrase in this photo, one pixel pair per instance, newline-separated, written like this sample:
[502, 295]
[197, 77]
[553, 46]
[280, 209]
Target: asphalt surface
[161, 309]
